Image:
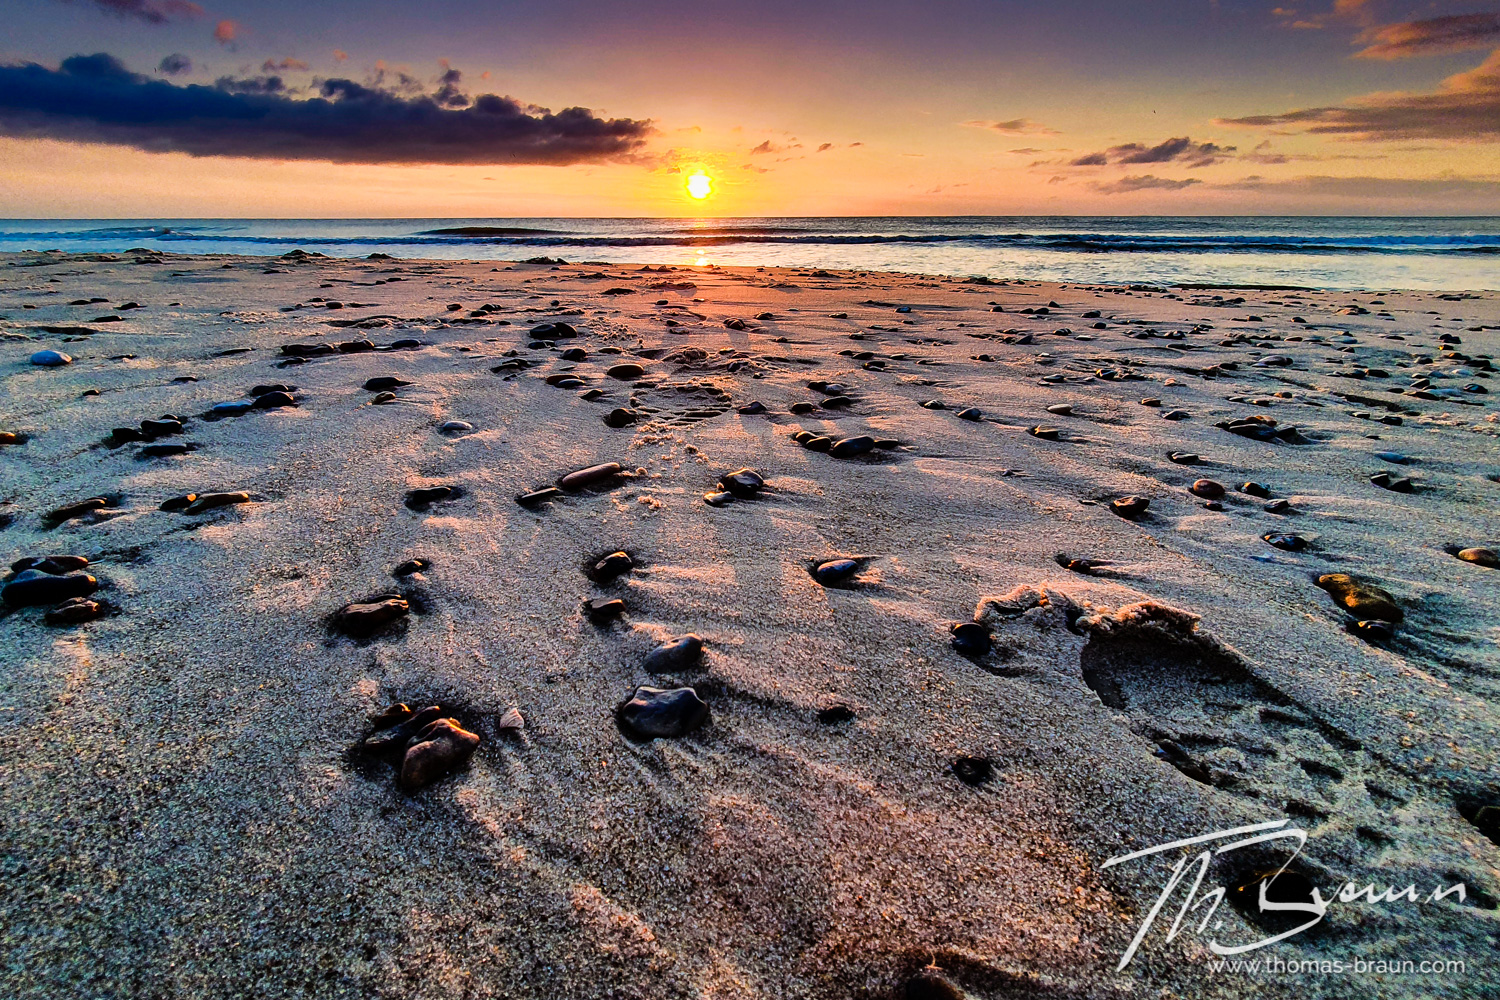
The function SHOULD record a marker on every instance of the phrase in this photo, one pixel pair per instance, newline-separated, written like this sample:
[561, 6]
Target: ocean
[1344, 253]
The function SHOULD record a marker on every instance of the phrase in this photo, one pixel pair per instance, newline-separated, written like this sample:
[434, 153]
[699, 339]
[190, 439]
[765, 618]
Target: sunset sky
[949, 107]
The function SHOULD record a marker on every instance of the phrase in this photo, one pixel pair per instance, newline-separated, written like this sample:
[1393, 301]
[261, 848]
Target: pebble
[1278, 507]
[209, 501]
[1480, 557]
[395, 727]
[553, 331]
[851, 446]
[231, 409]
[934, 404]
[10, 437]
[455, 427]
[620, 417]
[1393, 457]
[381, 398]
[1384, 480]
[74, 510]
[743, 483]
[1129, 506]
[1045, 433]
[625, 372]
[1286, 541]
[382, 383]
[274, 401]
[835, 572]
[590, 476]
[1061, 409]
[973, 771]
[970, 413]
[718, 499]
[178, 502]
[35, 586]
[1207, 489]
[1183, 457]
[802, 408]
[1256, 490]
[440, 748]
[539, 496]
[75, 611]
[1151, 401]
[364, 618]
[1176, 415]
[56, 565]
[1364, 600]
[409, 568]
[421, 498]
[668, 713]
[682, 653]
[971, 639]
[752, 408]
[51, 359]
[611, 566]
[600, 611]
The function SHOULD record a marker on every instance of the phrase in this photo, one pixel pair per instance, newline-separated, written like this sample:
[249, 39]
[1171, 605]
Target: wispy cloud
[1144, 182]
[226, 31]
[1181, 150]
[151, 11]
[175, 64]
[1016, 126]
[1431, 37]
[96, 99]
[1466, 108]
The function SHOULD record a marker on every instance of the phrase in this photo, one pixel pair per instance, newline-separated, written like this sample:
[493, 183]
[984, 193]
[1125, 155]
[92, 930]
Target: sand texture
[184, 811]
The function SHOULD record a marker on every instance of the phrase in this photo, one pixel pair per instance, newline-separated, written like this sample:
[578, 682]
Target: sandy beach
[947, 675]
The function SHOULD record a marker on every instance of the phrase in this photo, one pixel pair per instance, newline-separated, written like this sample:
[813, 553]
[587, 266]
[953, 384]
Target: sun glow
[699, 186]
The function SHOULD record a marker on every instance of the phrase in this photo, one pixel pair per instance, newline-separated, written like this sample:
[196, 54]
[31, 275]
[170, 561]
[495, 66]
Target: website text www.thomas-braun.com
[1271, 967]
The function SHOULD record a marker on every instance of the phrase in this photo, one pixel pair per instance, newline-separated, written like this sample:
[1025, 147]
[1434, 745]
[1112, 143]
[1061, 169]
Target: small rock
[1183, 457]
[384, 383]
[1176, 415]
[455, 427]
[1151, 401]
[1384, 480]
[1256, 490]
[1373, 629]
[436, 751]
[802, 408]
[409, 568]
[667, 713]
[1061, 409]
[1480, 557]
[1207, 489]
[540, 496]
[591, 476]
[611, 566]
[1045, 433]
[718, 499]
[683, 653]
[273, 401]
[1129, 506]
[230, 409]
[601, 611]
[51, 359]
[1285, 540]
[835, 572]
[362, 619]
[849, 447]
[381, 398]
[971, 639]
[1364, 600]
[970, 413]
[752, 408]
[743, 483]
[1278, 507]
[973, 771]
[75, 611]
[74, 510]
[56, 565]
[620, 417]
[625, 372]
[209, 501]
[30, 587]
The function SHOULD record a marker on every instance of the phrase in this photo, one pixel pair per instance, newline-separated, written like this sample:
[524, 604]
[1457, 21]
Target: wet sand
[184, 812]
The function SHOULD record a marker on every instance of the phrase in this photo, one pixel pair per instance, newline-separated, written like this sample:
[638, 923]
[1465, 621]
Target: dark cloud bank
[96, 99]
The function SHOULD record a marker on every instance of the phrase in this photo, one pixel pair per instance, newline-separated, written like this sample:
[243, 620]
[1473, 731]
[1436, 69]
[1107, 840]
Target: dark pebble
[973, 771]
[970, 413]
[75, 510]
[1207, 489]
[1256, 490]
[56, 565]
[410, 567]
[620, 417]
[455, 427]
[1363, 600]
[802, 408]
[210, 501]
[591, 476]
[419, 499]
[651, 712]
[273, 401]
[261, 390]
[1131, 506]
[849, 447]
[817, 442]
[743, 483]
[753, 408]
[1480, 557]
[1278, 507]
[611, 566]
[1287, 541]
[625, 371]
[362, 619]
[835, 572]
[75, 611]
[553, 331]
[539, 496]
[382, 383]
[440, 748]
[1183, 457]
[601, 611]
[178, 503]
[682, 653]
[971, 639]
[33, 586]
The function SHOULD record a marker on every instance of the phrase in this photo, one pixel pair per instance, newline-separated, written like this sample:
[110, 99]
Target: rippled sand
[181, 813]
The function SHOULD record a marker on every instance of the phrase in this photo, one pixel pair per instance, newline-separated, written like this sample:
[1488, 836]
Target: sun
[699, 186]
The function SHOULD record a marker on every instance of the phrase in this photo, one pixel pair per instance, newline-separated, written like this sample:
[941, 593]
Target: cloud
[272, 65]
[765, 147]
[1466, 108]
[175, 64]
[1179, 150]
[1447, 186]
[339, 55]
[96, 99]
[1423, 38]
[1016, 126]
[1146, 182]
[152, 11]
[825, 147]
[226, 31]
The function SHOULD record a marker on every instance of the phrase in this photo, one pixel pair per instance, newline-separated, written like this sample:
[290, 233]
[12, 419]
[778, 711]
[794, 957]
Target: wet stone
[852, 446]
[31, 587]
[273, 401]
[835, 572]
[625, 371]
[1480, 557]
[817, 442]
[75, 611]
[1130, 506]
[971, 639]
[51, 359]
[363, 618]
[668, 713]
[1207, 489]
[440, 748]
[611, 566]
[682, 653]
[178, 503]
[1363, 600]
[230, 409]
[743, 483]
[601, 611]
